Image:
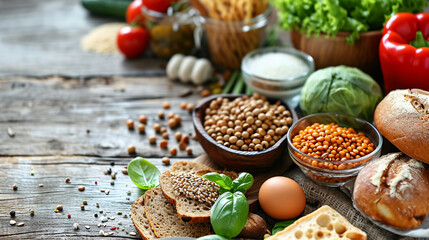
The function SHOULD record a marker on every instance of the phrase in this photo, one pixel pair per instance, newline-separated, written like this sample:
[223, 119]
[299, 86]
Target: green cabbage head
[341, 89]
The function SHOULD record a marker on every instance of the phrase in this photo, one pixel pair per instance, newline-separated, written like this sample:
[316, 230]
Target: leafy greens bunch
[230, 211]
[333, 16]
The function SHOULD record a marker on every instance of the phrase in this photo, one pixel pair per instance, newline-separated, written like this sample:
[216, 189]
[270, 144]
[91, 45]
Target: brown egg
[282, 198]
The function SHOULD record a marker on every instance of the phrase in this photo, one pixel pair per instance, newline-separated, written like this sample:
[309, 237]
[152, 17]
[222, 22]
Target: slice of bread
[138, 216]
[324, 223]
[163, 218]
[188, 166]
[188, 209]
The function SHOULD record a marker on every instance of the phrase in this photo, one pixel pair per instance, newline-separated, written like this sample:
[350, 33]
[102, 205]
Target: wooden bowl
[256, 161]
[326, 52]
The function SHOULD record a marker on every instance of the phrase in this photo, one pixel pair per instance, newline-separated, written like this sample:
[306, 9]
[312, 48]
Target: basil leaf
[143, 173]
[212, 237]
[279, 226]
[222, 180]
[229, 214]
[242, 183]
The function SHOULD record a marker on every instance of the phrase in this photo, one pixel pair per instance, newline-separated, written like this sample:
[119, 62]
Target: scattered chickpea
[166, 105]
[157, 127]
[163, 130]
[183, 105]
[172, 123]
[163, 144]
[67, 180]
[178, 119]
[14, 187]
[165, 161]
[81, 188]
[143, 119]
[165, 135]
[152, 139]
[185, 139]
[141, 127]
[59, 208]
[205, 93]
[190, 107]
[178, 136]
[161, 114]
[182, 146]
[189, 151]
[173, 151]
[131, 149]
[130, 124]
[171, 115]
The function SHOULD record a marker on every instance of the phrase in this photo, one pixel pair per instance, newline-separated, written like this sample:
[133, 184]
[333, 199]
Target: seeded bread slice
[190, 210]
[188, 166]
[138, 216]
[163, 218]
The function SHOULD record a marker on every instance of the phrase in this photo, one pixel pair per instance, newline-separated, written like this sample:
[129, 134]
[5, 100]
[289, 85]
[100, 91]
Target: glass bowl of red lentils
[332, 148]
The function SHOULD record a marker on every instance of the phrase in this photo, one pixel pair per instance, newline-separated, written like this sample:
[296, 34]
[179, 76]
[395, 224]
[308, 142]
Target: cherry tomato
[134, 12]
[133, 41]
[158, 5]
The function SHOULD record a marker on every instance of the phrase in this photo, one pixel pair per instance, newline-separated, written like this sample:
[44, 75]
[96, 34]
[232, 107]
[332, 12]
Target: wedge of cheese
[324, 223]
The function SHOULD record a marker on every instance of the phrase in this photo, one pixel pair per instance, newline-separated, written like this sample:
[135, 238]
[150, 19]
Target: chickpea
[166, 105]
[131, 149]
[163, 130]
[163, 144]
[183, 105]
[182, 146]
[173, 151]
[130, 124]
[189, 151]
[161, 114]
[172, 123]
[152, 139]
[165, 135]
[143, 119]
[185, 139]
[141, 127]
[170, 115]
[178, 136]
[157, 127]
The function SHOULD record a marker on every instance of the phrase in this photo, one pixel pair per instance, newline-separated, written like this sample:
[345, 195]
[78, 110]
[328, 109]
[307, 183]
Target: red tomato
[134, 12]
[133, 41]
[158, 5]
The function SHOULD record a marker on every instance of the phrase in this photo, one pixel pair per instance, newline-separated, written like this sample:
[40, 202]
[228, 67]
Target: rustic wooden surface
[42, 38]
[50, 118]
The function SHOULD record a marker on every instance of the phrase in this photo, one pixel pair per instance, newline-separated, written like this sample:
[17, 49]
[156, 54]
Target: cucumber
[110, 8]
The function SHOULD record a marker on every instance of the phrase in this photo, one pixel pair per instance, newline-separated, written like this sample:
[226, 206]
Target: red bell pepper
[403, 65]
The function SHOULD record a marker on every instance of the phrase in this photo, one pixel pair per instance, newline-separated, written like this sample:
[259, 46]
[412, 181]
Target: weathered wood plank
[51, 116]
[52, 172]
[41, 38]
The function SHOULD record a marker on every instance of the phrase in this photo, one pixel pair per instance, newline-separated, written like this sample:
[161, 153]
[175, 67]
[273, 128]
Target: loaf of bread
[394, 190]
[324, 223]
[402, 117]
[138, 216]
[163, 218]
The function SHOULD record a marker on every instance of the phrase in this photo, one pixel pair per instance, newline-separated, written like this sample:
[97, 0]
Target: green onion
[231, 82]
[239, 86]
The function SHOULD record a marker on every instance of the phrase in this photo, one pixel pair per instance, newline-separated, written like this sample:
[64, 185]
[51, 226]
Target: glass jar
[230, 41]
[170, 33]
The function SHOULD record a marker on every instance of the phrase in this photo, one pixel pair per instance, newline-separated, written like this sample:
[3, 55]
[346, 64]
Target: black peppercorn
[12, 213]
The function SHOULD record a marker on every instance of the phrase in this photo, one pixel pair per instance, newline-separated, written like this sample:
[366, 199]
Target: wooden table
[53, 128]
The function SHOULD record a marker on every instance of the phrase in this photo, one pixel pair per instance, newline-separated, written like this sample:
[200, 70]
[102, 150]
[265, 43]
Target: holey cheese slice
[324, 223]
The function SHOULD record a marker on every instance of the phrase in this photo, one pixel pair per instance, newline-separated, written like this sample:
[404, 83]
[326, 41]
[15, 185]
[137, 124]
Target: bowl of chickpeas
[241, 132]
[332, 148]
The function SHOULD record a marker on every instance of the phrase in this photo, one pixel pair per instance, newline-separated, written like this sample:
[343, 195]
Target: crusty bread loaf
[403, 118]
[324, 223]
[190, 210]
[138, 216]
[394, 190]
[163, 218]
